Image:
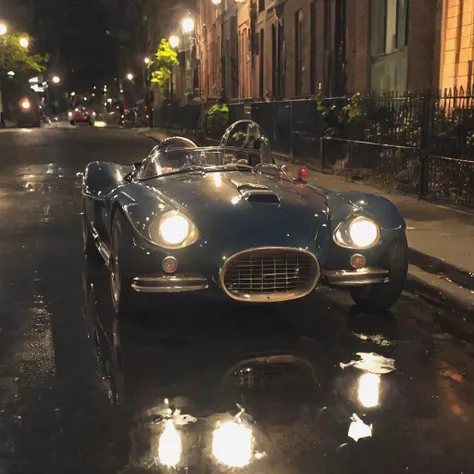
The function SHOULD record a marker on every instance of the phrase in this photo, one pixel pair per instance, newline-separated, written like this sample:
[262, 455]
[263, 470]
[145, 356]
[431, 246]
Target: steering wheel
[242, 158]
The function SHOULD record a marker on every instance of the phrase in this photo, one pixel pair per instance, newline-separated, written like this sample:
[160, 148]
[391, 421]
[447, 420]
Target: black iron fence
[416, 143]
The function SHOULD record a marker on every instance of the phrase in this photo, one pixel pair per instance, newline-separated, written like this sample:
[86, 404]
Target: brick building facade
[288, 48]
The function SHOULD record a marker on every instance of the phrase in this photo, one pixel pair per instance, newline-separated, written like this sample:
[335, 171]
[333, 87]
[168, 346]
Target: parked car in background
[81, 114]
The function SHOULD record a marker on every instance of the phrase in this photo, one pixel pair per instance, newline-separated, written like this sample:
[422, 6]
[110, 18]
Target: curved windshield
[249, 136]
[165, 162]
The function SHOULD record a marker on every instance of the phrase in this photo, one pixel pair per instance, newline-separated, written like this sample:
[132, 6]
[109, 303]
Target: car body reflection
[209, 399]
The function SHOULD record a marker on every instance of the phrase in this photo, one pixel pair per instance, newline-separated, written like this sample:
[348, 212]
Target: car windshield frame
[226, 158]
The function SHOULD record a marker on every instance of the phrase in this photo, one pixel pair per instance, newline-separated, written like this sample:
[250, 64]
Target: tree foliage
[18, 58]
[165, 58]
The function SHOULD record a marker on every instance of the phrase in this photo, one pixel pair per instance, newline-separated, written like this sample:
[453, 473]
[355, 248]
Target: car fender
[383, 211]
[140, 205]
[100, 177]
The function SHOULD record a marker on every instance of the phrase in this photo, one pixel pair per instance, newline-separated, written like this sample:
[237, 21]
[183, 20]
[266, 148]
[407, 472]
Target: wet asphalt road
[81, 392]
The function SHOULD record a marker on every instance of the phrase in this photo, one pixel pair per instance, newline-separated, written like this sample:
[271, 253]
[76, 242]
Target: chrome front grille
[270, 274]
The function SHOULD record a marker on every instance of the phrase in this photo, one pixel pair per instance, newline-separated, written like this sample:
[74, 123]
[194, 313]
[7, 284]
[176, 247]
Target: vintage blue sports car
[228, 221]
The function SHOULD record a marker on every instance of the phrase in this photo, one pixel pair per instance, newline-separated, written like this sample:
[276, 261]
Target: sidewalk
[440, 238]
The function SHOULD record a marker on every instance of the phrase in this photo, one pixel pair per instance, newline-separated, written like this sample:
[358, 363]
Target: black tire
[381, 297]
[126, 301]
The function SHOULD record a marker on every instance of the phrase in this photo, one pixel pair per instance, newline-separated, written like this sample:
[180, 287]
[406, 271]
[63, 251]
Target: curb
[437, 265]
[437, 295]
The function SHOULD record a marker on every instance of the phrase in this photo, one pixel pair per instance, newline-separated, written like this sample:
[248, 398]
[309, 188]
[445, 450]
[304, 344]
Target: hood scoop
[258, 194]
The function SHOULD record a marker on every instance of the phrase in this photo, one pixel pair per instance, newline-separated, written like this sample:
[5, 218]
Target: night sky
[91, 42]
[82, 36]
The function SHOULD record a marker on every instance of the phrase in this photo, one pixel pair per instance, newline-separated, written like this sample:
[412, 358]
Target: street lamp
[3, 31]
[187, 25]
[147, 60]
[130, 76]
[24, 42]
[56, 80]
[173, 41]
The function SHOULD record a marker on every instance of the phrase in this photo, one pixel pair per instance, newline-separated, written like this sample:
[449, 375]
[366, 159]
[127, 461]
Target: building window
[274, 61]
[261, 5]
[281, 60]
[313, 58]
[389, 38]
[262, 44]
[389, 26]
[298, 52]
[327, 25]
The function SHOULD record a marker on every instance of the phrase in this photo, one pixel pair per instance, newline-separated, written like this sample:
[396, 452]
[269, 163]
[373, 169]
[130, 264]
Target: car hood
[250, 208]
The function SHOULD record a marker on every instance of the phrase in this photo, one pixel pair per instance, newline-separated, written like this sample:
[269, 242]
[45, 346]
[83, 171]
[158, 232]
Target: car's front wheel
[125, 300]
[381, 297]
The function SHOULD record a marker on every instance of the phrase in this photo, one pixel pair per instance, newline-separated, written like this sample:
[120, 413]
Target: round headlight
[175, 229]
[357, 232]
[364, 232]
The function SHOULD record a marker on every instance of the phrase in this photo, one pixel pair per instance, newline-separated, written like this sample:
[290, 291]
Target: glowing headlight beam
[169, 449]
[369, 390]
[175, 229]
[363, 232]
[232, 444]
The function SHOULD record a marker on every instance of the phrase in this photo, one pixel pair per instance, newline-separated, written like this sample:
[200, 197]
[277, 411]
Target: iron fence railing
[417, 143]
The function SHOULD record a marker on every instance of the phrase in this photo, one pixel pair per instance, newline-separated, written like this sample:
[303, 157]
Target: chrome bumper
[169, 284]
[364, 276]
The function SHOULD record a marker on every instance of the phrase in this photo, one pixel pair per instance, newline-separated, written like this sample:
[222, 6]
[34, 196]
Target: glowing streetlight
[73, 94]
[3, 29]
[187, 25]
[147, 60]
[56, 80]
[24, 42]
[130, 76]
[173, 41]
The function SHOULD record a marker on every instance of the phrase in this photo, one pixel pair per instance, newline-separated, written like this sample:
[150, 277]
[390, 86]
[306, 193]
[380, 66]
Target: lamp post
[187, 26]
[173, 40]
[24, 42]
[3, 32]
[55, 80]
